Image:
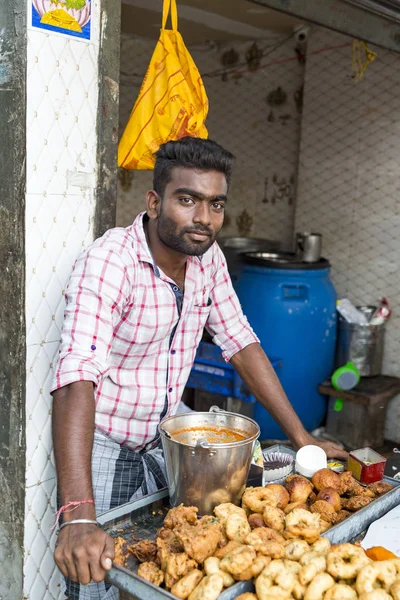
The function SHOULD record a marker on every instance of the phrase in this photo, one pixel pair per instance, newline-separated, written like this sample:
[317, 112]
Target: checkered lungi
[119, 475]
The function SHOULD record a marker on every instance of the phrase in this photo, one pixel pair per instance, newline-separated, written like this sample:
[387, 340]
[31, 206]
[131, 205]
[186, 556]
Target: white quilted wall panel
[264, 139]
[62, 92]
[349, 178]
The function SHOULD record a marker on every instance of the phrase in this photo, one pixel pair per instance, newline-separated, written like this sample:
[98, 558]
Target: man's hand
[332, 450]
[84, 553]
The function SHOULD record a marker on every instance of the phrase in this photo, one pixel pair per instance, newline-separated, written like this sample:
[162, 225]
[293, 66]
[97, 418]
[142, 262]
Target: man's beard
[176, 240]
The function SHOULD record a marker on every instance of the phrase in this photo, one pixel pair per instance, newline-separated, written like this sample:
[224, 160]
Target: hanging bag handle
[174, 14]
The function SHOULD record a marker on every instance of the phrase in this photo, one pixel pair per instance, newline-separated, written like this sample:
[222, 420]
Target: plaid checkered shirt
[125, 331]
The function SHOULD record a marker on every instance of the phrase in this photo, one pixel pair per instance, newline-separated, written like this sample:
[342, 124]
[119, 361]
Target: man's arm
[257, 372]
[232, 332]
[96, 295]
[83, 552]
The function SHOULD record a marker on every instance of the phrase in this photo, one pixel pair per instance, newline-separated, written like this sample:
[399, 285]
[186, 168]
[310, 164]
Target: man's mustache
[203, 230]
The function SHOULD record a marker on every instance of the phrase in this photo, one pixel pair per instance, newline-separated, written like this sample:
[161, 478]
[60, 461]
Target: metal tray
[140, 520]
[351, 528]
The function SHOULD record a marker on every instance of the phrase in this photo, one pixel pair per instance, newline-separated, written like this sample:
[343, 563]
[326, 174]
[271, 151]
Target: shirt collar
[137, 231]
[144, 253]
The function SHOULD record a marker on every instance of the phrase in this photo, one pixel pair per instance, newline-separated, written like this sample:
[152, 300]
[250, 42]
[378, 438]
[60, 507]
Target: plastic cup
[310, 459]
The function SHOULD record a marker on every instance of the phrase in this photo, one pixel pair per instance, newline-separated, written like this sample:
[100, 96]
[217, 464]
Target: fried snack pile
[304, 509]
[273, 539]
[331, 495]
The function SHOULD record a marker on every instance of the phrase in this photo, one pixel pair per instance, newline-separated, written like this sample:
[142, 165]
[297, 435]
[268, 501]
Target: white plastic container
[309, 460]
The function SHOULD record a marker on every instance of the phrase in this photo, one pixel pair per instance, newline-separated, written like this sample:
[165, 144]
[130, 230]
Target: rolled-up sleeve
[226, 323]
[95, 294]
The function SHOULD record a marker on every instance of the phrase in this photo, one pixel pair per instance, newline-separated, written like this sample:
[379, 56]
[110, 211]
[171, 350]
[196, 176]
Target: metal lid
[248, 243]
[283, 260]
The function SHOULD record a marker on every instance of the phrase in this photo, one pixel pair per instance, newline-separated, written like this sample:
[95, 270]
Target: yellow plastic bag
[172, 101]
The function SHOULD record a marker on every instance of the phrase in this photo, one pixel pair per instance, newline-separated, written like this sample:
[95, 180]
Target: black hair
[191, 153]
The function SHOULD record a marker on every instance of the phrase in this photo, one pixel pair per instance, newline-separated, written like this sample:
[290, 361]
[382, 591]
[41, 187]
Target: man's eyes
[187, 200]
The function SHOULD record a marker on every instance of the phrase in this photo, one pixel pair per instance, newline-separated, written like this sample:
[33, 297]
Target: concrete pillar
[12, 294]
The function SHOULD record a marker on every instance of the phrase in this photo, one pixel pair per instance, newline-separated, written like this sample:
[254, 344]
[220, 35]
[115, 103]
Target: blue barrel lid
[283, 260]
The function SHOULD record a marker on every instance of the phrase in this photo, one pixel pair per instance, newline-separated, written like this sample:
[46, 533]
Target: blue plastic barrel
[292, 308]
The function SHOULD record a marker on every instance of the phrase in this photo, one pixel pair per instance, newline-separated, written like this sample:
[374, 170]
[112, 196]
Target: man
[137, 304]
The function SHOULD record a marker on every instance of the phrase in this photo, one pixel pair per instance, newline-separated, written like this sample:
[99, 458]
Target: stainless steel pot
[309, 246]
[235, 247]
[202, 473]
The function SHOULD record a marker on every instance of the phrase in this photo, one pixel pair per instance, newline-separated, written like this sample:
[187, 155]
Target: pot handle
[216, 409]
[202, 443]
[166, 433]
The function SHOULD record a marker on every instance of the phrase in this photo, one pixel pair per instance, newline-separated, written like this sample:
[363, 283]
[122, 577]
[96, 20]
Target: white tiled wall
[349, 178]
[62, 91]
[264, 140]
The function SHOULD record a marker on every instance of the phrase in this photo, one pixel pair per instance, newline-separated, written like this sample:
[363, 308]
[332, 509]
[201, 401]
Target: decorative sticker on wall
[68, 17]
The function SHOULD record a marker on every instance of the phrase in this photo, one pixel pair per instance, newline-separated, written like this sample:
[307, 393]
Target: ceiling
[201, 20]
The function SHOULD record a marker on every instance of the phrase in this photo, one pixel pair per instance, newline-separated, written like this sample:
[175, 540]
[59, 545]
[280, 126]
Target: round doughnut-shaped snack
[346, 560]
[266, 544]
[381, 574]
[266, 534]
[280, 493]
[257, 498]
[303, 525]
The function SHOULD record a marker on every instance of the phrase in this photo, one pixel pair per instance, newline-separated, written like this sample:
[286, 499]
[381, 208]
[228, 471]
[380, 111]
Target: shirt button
[170, 390]
[175, 288]
[173, 351]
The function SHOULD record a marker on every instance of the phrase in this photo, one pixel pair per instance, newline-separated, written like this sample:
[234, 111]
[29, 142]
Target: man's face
[191, 212]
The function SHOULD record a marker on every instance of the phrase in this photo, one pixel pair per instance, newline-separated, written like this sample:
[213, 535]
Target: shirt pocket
[198, 316]
[204, 304]
[202, 298]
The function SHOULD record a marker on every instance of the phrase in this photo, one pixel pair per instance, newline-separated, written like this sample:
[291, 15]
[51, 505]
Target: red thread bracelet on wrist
[69, 507]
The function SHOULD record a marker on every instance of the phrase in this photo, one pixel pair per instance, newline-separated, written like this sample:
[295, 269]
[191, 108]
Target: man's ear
[153, 202]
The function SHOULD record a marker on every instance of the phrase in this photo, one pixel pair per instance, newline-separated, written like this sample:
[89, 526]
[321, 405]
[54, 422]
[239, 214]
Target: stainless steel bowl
[248, 244]
[280, 257]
